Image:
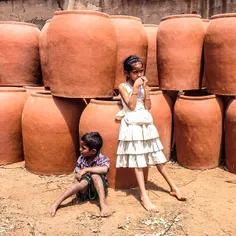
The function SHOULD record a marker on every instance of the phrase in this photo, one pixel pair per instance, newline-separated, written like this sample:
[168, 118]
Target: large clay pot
[19, 54]
[205, 23]
[99, 116]
[162, 116]
[179, 52]
[151, 67]
[198, 131]
[50, 133]
[30, 89]
[82, 54]
[220, 59]
[131, 40]
[230, 136]
[43, 50]
[12, 101]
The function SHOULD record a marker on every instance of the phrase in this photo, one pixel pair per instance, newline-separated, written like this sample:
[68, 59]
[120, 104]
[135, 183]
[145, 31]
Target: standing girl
[139, 144]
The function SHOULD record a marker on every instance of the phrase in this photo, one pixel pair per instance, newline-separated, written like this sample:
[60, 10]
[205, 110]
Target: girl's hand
[145, 80]
[138, 82]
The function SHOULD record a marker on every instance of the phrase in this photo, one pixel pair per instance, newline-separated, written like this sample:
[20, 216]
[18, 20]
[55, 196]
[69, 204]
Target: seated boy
[90, 174]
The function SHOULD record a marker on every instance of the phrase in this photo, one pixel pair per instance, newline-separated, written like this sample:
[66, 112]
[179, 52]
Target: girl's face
[136, 72]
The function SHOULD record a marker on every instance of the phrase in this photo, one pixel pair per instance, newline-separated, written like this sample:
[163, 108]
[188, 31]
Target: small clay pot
[19, 54]
[219, 56]
[99, 116]
[50, 133]
[179, 52]
[151, 67]
[198, 130]
[131, 40]
[12, 101]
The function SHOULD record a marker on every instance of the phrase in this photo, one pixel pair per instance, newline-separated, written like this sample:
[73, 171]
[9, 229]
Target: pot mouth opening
[34, 87]
[226, 15]
[125, 17]
[196, 95]
[181, 16]
[12, 89]
[18, 23]
[108, 101]
[86, 12]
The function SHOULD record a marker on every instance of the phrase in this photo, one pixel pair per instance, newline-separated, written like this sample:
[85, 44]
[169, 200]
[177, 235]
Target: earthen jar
[99, 116]
[179, 52]
[198, 130]
[50, 133]
[30, 89]
[131, 40]
[205, 23]
[230, 136]
[162, 116]
[151, 66]
[43, 50]
[81, 54]
[19, 54]
[219, 56]
[12, 101]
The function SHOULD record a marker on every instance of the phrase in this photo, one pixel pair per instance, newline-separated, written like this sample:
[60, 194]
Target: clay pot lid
[112, 101]
[12, 89]
[42, 94]
[86, 12]
[180, 16]
[150, 25]
[125, 17]
[223, 15]
[17, 23]
[206, 20]
[34, 87]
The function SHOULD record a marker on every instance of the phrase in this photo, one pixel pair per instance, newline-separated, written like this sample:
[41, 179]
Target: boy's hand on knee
[80, 174]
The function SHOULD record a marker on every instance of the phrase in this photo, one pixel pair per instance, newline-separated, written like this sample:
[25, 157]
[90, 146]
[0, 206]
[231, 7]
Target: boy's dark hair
[129, 61]
[93, 140]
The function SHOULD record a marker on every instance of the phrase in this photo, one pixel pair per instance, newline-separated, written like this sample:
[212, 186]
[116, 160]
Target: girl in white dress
[139, 144]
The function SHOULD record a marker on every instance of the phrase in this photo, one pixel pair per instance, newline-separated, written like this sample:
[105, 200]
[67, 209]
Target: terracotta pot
[50, 133]
[205, 23]
[230, 136]
[43, 54]
[88, 57]
[131, 40]
[30, 89]
[220, 61]
[12, 101]
[99, 116]
[19, 54]
[162, 116]
[198, 131]
[151, 67]
[179, 52]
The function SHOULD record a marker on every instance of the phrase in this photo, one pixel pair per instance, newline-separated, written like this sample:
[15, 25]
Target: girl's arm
[130, 101]
[147, 99]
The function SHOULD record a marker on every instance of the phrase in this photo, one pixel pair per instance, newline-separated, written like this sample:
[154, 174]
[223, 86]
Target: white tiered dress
[139, 144]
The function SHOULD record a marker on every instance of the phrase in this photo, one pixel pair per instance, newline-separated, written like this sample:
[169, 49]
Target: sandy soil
[209, 210]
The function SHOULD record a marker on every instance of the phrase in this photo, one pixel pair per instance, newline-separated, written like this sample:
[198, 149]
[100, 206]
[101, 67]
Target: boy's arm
[94, 170]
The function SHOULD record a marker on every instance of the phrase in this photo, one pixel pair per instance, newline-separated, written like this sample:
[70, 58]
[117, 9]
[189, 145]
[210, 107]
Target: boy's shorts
[91, 193]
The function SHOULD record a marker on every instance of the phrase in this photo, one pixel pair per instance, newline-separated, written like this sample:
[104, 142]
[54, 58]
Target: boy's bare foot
[176, 193]
[105, 212]
[52, 210]
[148, 205]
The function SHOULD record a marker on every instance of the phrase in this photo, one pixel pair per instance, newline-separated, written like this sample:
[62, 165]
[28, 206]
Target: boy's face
[84, 150]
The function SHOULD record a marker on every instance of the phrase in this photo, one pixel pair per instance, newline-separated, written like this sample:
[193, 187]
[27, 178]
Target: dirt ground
[209, 210]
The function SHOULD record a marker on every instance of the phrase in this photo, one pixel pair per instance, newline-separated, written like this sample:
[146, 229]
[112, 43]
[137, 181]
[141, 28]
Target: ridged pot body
[12, 101]
[19, 54]
[162, 117]
[220, 59]
[50, 133]
[100, 116]
[179, 52]
[82, 54]
[151, 67]
[131, 40]
[230, 136]
[198, 131]
[43, 50]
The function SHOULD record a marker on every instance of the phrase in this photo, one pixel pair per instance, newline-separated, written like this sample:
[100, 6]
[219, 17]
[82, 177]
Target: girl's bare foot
[52, 209]
[176, 193]
[146, 203]
[105, 212]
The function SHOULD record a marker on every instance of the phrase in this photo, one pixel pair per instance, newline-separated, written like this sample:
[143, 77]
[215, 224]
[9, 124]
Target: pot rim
[125, 17]
[18, 23]
[12, 89]
[155, 90]
[43, 94]
[87, 12]
[33, 87]
[150, 25]
[226, 15]
[204, 97]
[206, 20]
[181, 16]
[107, 102]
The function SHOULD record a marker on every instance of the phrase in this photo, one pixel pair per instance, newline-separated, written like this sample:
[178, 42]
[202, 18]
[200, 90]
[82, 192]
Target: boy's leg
[73, 189]
[144, 197]
[99, 186]
[174, 189]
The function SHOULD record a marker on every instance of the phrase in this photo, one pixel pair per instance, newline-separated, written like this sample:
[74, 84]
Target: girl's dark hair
[129, 61]
[93, 140]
